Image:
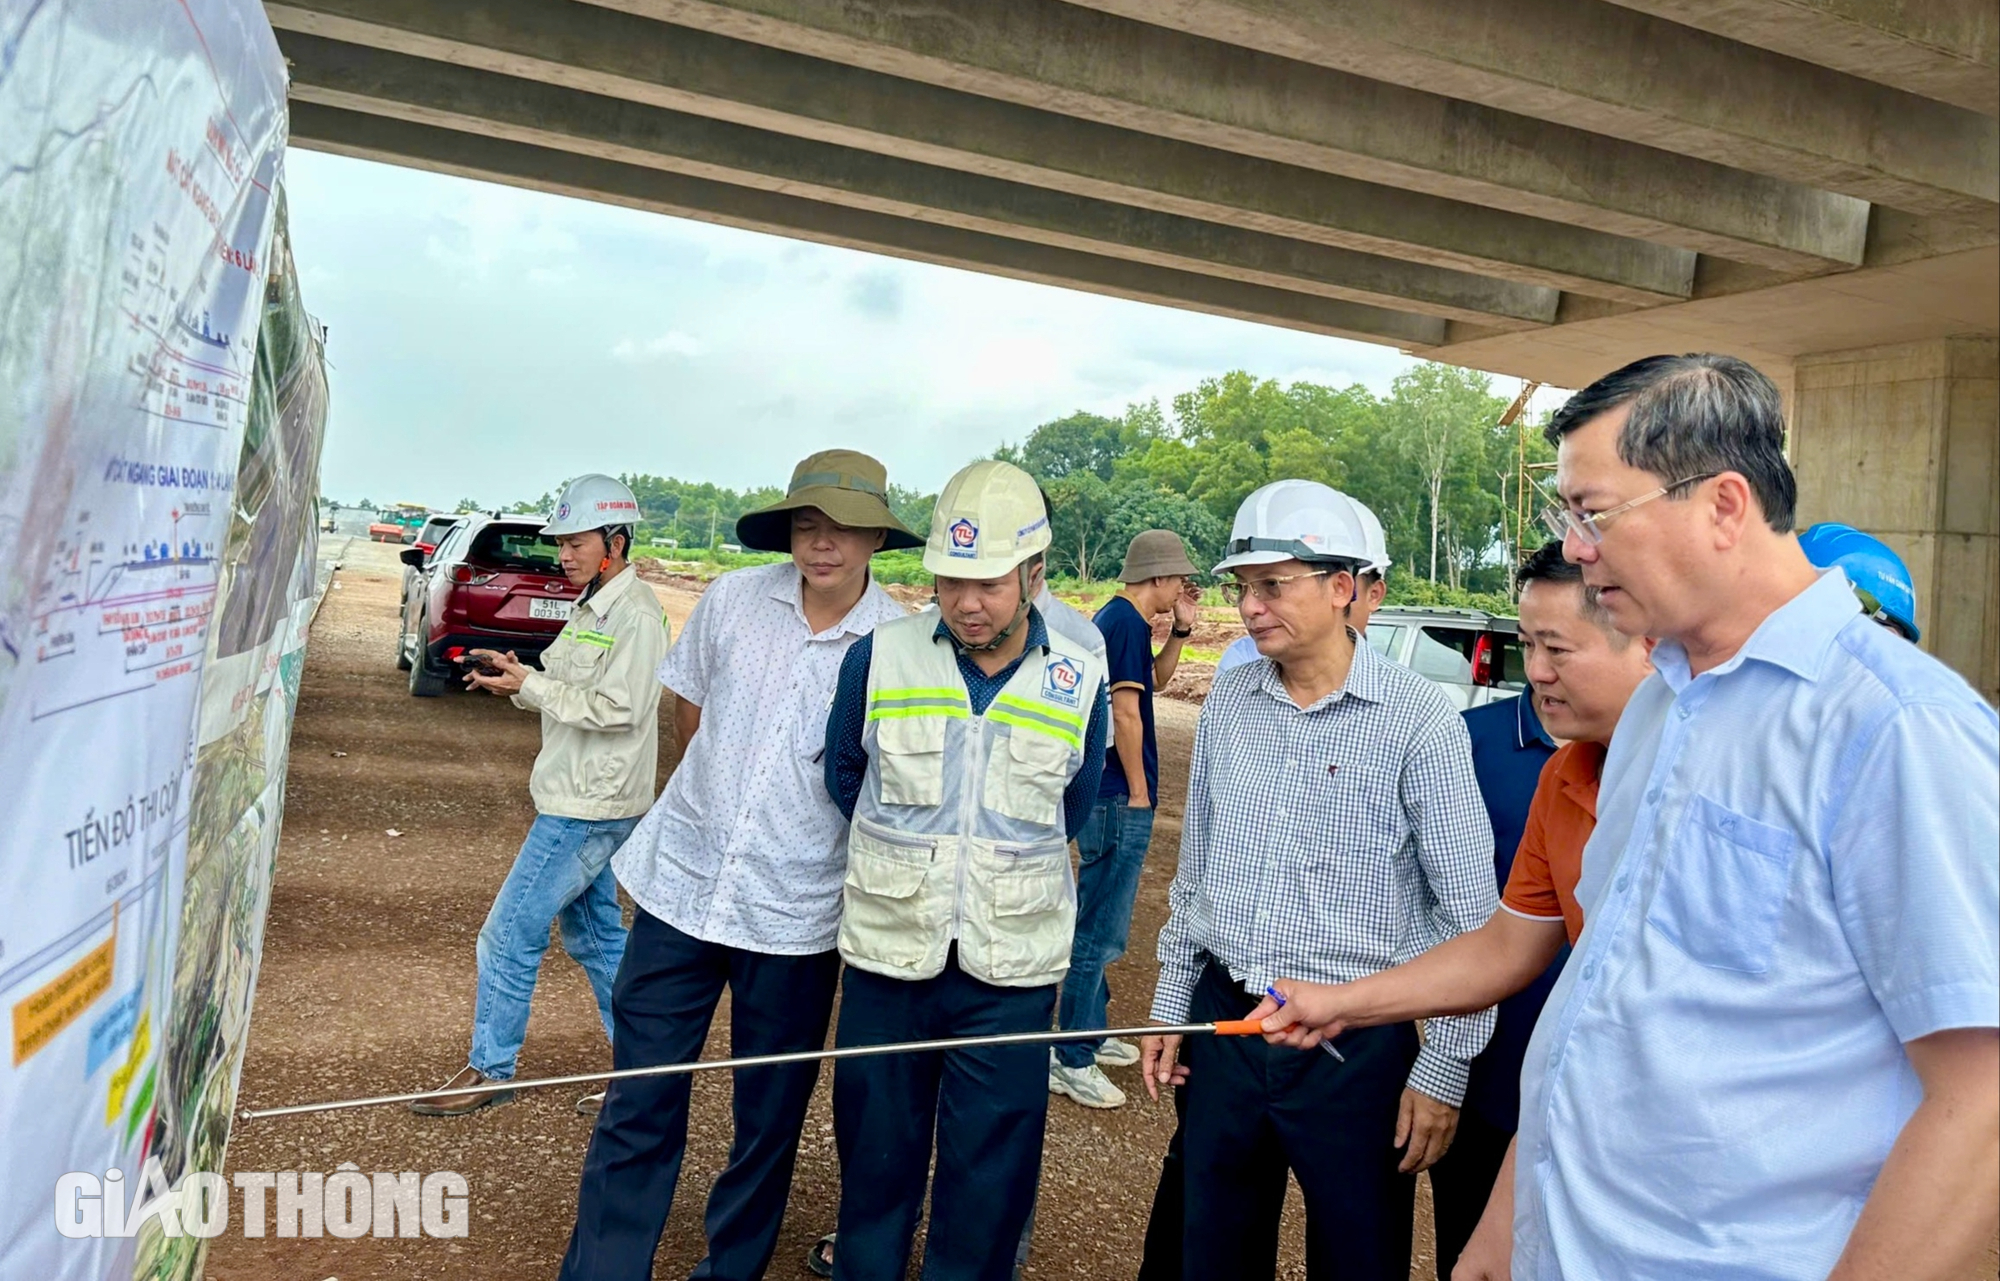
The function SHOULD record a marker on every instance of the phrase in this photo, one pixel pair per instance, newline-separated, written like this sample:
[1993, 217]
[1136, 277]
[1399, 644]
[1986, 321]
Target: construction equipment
[1524, 472]
[1228, 1027]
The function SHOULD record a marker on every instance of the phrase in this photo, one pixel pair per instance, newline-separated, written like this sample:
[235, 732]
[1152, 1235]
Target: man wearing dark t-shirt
[1112, 843]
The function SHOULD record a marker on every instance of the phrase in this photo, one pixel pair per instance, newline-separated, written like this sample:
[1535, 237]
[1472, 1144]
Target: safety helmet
[1296, 518]
[989, 519]
[1875, 571]
[594, 501]
[1372, 536]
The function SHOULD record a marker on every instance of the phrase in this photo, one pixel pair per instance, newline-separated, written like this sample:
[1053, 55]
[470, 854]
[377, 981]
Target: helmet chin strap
[1020, 615]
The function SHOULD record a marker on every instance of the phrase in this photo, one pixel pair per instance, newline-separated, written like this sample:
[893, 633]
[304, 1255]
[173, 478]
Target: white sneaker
[1117, 1053]
[1086, 1085]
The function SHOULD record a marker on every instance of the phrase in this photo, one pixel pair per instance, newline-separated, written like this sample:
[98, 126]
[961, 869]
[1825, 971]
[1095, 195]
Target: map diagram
[142, 145]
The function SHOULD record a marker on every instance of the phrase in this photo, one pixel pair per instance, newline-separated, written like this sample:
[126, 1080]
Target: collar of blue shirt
[1797, 636]
[1364, 678]
[1528, 727]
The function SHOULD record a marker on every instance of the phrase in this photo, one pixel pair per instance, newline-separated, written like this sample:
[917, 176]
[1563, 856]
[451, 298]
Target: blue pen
[1279, 997]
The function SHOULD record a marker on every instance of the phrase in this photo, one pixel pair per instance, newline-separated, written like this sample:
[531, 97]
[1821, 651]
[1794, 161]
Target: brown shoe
[464, 1104]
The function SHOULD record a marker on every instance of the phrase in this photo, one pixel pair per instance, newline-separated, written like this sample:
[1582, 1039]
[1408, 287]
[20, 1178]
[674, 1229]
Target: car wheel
[424, 683]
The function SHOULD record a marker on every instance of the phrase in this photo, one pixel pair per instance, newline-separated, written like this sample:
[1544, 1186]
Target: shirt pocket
[910, 758]
[1025, 776]
[1724, 887]
[885, 917]
[1346, 807]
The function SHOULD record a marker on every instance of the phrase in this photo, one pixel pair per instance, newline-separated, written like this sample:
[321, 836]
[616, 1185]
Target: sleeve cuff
[1944, 1006]
[1173, 995]
[531, 693]
[1511, 910]
[1439, 1076]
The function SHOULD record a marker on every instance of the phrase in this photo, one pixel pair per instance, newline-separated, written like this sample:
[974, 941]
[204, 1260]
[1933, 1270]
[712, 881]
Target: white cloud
[671, 343]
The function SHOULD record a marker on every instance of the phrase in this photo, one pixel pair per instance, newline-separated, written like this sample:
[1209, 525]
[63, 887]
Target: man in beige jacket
[592, 782]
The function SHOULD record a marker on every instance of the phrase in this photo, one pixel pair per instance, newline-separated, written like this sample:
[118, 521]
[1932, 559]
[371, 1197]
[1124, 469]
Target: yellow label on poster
[135, 1058]
[62, 1000]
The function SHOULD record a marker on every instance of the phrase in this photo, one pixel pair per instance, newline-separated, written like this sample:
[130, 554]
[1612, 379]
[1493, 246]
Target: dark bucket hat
[850, 487]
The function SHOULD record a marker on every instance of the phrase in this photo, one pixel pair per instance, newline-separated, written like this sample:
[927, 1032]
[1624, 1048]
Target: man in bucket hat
[1157, 577]
[736, 876]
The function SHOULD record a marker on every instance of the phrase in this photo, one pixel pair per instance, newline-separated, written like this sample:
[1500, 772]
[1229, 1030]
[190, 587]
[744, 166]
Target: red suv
[493, 583]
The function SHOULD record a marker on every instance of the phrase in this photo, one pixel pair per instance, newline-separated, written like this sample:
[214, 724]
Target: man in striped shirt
[1333, 828]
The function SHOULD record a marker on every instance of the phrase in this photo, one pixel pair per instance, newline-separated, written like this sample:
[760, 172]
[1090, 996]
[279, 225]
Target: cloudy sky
[486, 342]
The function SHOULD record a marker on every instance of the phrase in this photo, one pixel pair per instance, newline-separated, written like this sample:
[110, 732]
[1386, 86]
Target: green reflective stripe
[958, 703]
[890, 713]
[944, 692]
[1043, 711]
[1037, 726]
[598, 639]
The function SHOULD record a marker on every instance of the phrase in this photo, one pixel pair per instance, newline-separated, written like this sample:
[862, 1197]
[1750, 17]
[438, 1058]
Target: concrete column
[1904, 442]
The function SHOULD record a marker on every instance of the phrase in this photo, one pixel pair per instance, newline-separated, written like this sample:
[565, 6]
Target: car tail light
[1485, 657]
[471, 577]
[454, 652]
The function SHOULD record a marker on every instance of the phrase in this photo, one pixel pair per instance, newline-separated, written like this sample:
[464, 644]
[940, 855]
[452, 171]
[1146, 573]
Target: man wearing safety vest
[594, 778]
[966, 749]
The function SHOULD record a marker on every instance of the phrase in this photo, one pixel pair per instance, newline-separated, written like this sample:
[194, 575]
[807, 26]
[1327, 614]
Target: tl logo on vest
[1061, 681]
[964, 539]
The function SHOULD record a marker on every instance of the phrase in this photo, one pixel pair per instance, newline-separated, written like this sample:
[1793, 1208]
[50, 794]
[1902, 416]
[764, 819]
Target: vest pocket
[910, 759]
[1025, 777]
[1723, 891]
[883, 909]
[1020, 913]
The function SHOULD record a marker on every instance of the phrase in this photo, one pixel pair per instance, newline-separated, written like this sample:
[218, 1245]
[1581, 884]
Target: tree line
[1430, 458]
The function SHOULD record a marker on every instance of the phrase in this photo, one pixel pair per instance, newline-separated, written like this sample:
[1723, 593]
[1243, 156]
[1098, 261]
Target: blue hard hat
[1879, 576]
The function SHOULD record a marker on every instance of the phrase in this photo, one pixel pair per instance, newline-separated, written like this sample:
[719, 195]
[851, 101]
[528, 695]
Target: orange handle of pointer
[1240, 1027]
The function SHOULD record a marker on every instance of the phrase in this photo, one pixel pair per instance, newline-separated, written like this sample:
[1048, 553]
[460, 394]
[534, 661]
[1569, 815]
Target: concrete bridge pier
[1904, 441]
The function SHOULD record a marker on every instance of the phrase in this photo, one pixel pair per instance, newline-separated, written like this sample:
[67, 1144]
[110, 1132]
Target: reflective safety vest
[958, 832]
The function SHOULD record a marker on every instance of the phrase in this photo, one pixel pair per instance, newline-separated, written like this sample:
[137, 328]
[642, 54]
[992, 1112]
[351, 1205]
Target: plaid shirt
[1329, 842]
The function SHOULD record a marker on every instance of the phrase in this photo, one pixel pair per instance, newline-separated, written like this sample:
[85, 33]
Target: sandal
[819, 1259]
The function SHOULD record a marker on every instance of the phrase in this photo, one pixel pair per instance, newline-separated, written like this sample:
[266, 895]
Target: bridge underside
[1544, 188]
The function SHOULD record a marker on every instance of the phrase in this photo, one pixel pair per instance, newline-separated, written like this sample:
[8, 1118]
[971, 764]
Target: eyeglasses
[1264, 588]
[1561, 521]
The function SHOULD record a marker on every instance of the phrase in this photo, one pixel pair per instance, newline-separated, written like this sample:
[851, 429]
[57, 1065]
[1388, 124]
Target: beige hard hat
[850, 487]
[989, 520]
[1156, 553]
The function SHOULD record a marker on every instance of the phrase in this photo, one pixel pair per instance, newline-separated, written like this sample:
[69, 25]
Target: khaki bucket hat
[1156, 553]
[850, 487]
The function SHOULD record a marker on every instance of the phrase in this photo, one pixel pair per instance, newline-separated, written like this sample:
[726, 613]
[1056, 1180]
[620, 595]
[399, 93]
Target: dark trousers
[1462, 1182]
[986, 1109]
[1255, 1110]
[661, 1005]
[1162, 1258]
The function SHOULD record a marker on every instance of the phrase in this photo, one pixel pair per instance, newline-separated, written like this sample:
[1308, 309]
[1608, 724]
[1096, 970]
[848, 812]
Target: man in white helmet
[1369, 590]
[966, 748]
[1333, 825]
[592, 781]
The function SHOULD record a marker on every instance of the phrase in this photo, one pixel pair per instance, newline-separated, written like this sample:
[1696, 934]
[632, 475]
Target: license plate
[542, 607]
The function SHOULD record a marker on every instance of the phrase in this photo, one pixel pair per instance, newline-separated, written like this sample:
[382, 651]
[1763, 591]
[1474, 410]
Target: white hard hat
[595, 501]
[1372, 536]
[989, 519]
[1300, 519]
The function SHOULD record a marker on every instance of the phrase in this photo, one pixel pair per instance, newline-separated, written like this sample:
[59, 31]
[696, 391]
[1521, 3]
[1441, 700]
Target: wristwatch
[1178, 634]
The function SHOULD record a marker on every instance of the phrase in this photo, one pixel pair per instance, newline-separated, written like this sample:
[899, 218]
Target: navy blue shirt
[1128, 653]
[1509, 748]
[847, 761]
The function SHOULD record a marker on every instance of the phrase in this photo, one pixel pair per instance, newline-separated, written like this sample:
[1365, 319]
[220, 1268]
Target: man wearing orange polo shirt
[1581, 674]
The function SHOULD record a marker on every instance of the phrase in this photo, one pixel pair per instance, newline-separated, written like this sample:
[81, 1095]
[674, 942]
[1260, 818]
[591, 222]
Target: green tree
[1138, 508]
[1439, 419]
[1079, 504]
[913, 508]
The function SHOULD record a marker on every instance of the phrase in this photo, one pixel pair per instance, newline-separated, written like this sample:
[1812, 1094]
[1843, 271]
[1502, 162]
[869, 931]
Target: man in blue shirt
[1774, 1053]
[1112, 844]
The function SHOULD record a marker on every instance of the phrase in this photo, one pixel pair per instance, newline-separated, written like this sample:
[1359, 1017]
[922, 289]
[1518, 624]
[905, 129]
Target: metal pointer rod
[1229, 1027]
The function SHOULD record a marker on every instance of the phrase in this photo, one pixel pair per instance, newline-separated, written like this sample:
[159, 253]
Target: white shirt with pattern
[743, 847]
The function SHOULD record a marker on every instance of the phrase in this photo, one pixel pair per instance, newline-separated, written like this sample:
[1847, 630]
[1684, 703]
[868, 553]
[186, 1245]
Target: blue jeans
[1112, 850]
[563, 873]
